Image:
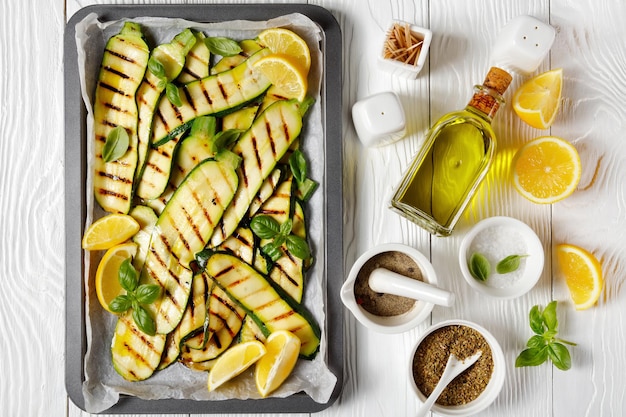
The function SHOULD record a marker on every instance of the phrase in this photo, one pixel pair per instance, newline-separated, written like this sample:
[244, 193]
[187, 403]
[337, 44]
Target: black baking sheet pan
[75, 206]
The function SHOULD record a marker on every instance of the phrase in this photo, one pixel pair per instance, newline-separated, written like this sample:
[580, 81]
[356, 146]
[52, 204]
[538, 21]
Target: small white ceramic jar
[399, 68]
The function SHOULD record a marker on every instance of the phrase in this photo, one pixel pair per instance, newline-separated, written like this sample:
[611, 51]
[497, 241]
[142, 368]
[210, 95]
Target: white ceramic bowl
[390, 324]
[399, 68]
[491, 391]
[496, 238]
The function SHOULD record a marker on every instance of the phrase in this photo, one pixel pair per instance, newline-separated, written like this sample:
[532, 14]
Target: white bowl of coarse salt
[501, 257]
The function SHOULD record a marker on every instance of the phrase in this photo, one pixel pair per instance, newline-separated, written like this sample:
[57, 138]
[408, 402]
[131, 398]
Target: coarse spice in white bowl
[498, 240]
[476, 387]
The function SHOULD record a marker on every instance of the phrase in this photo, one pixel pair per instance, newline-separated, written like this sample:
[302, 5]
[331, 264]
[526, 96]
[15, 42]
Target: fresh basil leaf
[144, 321]
[286, 227]
[204, 126]
[120, 304]
[549, 316]
[147, 293]
[265, 227]
[509, 264]
[173, 95]
[128, 276]
[297, 163]
[298, 247]
[536, 341]
[279, 240]
[116, 144]
[224, 139]
[156, 68]
[560, 356]
[532, 357]
[222, 46]
[202, 258]
[479, 266]
[536, 320]
[272, 250]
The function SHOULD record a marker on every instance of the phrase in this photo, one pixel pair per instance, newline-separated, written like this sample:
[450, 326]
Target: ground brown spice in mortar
[432, 354]
[385, 304]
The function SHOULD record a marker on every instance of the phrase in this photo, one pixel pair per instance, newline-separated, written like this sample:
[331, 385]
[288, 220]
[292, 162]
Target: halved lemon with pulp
[234, 361]
[283, 348]
[546, 170]
[107, 283]
[109, 231]
[583, 274]
[285, 74]
[285, 42]
[537, 101]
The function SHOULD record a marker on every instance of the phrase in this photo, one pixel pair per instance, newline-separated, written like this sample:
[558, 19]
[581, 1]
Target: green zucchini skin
[214, 95]
[182, 230]
[270, 309]
[123, 66]
[260, 148]
[135, 355]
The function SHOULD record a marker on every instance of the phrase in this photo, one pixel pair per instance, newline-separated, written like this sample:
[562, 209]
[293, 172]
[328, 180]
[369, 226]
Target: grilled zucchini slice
[183, 229]
[135, 355]
[263, 303]
[123, 66]
[260, 148]
[215, 95]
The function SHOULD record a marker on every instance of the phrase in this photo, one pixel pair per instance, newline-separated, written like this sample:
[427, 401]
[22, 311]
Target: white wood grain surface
[589, 47]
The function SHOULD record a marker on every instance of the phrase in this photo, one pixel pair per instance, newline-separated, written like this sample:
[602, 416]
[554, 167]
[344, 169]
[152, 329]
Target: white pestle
[385, 281]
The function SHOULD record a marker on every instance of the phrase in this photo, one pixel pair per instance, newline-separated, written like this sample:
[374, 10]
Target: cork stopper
[488, 97]
[498, 79]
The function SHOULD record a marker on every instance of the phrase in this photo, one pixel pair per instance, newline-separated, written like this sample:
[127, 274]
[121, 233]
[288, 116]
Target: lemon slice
[583, 274]
[285, 74]
[546, 170]
[536, 102]
[283, 348]
[109, 231]
[285, 42]
[107, 283]
[234, 361]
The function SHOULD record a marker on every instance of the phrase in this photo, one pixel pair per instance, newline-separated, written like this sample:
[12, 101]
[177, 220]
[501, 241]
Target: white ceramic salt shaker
[379, 119]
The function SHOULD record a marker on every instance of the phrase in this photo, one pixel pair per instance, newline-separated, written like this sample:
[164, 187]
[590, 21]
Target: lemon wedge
[537, 101]
[109, 231]
[107, 283]
[234, 361]
[283, 348]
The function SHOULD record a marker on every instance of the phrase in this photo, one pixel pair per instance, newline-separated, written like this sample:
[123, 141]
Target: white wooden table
[589, 47]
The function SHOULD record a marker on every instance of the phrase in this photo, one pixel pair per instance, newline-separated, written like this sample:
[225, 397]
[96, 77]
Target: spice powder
[432, 355]
[385, 305]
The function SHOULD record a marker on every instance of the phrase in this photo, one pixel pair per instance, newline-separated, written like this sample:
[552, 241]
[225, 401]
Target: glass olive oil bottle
[456, 156]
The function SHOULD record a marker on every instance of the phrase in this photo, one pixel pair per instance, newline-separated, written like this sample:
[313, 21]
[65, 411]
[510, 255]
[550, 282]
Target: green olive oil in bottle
[457, 153]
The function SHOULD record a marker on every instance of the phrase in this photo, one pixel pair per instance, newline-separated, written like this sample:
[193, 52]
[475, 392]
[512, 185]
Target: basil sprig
[136, 297]
[266, 227]
[116, 144]
[171, 90]
[544, 343]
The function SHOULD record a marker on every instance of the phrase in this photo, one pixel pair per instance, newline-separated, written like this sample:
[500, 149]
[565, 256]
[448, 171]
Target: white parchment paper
[103, 386]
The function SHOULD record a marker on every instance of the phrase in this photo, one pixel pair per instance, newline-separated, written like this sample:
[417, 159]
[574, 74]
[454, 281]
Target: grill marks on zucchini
[123, 66]
[135, 355]
[260, 148]
[216, 94]
[262, 301]
[182, 230]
